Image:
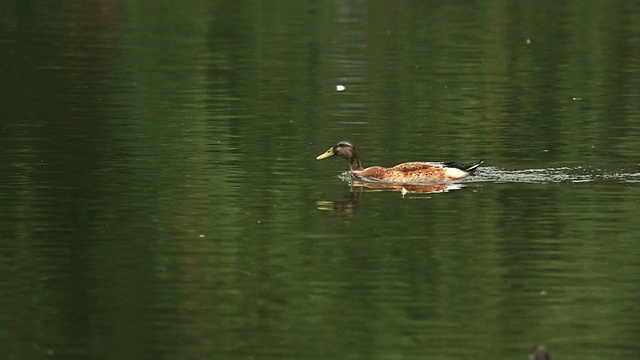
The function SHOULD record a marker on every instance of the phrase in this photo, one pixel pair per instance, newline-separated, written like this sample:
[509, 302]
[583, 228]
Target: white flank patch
[456, 173]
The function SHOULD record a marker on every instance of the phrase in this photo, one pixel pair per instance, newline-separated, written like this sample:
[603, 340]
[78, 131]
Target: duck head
[346, 150]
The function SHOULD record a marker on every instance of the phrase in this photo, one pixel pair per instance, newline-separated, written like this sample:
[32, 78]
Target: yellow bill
[325, 155]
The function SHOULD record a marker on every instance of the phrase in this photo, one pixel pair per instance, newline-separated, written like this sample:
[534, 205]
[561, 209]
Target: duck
[405, 173]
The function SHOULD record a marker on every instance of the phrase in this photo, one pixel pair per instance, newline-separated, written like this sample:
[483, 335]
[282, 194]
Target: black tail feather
[473, 167]
[470, 168]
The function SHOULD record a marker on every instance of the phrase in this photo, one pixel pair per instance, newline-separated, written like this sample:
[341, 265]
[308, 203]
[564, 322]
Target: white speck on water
[340, 87]
[201, 235]
[528, 41]
[404, 191]
[577, 99]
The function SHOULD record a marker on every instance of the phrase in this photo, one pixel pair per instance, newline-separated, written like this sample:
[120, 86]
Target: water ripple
[557, 174]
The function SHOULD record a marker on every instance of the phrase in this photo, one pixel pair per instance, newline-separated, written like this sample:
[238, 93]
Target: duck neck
[355, 162]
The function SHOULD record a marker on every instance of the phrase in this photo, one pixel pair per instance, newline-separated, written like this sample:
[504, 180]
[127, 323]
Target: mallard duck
[405, 173]
[539, 352]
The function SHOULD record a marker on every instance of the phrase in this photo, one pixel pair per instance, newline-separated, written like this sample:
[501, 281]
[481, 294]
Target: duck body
[414, 172]
[405, 173]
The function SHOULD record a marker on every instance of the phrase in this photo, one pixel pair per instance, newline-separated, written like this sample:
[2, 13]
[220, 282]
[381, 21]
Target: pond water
[161, 198]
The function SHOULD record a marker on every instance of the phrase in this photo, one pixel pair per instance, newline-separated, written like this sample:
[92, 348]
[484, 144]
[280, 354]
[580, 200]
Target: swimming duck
[405, 173]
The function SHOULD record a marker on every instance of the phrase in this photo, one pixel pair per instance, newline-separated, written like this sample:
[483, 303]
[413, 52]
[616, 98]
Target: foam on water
[577, 174]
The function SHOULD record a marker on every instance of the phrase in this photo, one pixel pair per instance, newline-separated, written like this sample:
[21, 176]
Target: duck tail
[472, 167]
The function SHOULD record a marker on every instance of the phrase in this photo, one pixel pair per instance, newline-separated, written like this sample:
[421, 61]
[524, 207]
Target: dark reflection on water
[346, 207]
[160, 198]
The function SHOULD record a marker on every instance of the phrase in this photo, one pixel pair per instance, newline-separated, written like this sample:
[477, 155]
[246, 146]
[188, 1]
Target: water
[160, 197]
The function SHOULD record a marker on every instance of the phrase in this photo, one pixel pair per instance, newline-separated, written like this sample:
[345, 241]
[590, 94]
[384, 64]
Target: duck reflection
[347, 206]
[539, 352]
